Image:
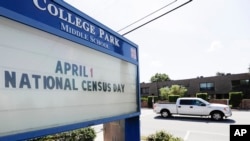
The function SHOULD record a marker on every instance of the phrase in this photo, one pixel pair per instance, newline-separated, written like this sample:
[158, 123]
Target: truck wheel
[216, 116]
[165, 113]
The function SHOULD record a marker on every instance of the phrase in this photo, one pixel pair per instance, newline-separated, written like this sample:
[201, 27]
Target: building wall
[222, 85]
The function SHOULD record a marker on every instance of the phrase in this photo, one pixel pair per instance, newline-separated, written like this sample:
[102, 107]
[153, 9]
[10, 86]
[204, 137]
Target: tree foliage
[164, 93]
[173, 90]
[160, 77]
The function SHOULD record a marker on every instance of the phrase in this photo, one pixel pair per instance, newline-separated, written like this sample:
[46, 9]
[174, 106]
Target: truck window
[186, 102]
[198, 103]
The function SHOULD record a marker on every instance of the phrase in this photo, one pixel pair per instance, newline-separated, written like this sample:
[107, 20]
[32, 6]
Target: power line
[147, 16]
[156, 17]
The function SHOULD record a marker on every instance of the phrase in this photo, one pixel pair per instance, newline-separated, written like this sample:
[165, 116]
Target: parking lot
[187, 127]
[192, 128]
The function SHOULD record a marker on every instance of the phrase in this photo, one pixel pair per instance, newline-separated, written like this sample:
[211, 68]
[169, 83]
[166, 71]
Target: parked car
[195, 107]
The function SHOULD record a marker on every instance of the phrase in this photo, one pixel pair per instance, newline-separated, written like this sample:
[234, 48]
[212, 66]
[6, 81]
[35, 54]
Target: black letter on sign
[25, 81]
[10, 79]
[59, 67]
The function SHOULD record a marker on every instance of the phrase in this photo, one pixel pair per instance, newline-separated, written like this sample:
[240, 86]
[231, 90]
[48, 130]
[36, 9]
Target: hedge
[173, 98]
[162, 136]
[235, 98]
[83, 134]
[150, 104]
[202, 95]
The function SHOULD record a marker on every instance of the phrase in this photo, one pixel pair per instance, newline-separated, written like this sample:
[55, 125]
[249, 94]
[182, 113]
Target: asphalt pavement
[188, 128]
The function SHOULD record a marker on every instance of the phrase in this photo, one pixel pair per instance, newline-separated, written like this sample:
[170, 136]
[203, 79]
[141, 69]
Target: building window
[238, 83]
[145, 90]
[244, 82]
[243, 86]
[206, 86]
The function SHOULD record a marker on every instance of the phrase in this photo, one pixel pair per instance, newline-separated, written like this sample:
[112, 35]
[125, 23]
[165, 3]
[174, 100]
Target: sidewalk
[99, 136]
[99, 132]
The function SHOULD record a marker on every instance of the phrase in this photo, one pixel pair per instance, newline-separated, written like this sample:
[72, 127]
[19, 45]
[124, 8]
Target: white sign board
[47, 81]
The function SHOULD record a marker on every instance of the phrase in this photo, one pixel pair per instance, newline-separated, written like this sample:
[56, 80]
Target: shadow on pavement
[196, 119]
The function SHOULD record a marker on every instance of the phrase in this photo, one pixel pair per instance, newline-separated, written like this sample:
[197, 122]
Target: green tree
[164, 93]
[158, 77]
[173, 90]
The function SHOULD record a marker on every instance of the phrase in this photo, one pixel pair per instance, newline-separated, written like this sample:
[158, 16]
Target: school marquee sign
[61, 70]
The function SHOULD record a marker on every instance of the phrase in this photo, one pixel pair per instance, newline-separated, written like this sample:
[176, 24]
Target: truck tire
[216, 115]
[165, 113]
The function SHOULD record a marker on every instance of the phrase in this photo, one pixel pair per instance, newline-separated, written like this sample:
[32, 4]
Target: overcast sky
[198, 39]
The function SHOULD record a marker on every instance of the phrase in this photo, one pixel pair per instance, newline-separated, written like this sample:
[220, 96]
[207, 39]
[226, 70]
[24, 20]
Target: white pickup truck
[195, 107]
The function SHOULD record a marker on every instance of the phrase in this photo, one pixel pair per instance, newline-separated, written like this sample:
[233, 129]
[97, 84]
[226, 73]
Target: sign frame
[114, 45]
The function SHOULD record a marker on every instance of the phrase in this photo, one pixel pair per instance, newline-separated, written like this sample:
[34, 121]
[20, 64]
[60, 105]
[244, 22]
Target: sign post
[61, 70]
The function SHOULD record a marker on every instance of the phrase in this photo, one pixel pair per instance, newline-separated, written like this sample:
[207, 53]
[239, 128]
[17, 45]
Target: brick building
[216, 86]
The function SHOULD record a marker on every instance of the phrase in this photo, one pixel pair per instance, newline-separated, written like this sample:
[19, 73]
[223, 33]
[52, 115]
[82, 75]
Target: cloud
[215, 46]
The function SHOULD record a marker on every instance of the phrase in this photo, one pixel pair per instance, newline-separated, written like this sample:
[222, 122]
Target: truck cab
[191, 105]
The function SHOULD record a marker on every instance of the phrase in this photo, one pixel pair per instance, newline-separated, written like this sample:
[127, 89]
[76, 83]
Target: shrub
[173, 98]
[83, 134]
[150, 104]
[144, 99]
[235, 98]
[162, 136]
[202, 95]
[164, 93]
